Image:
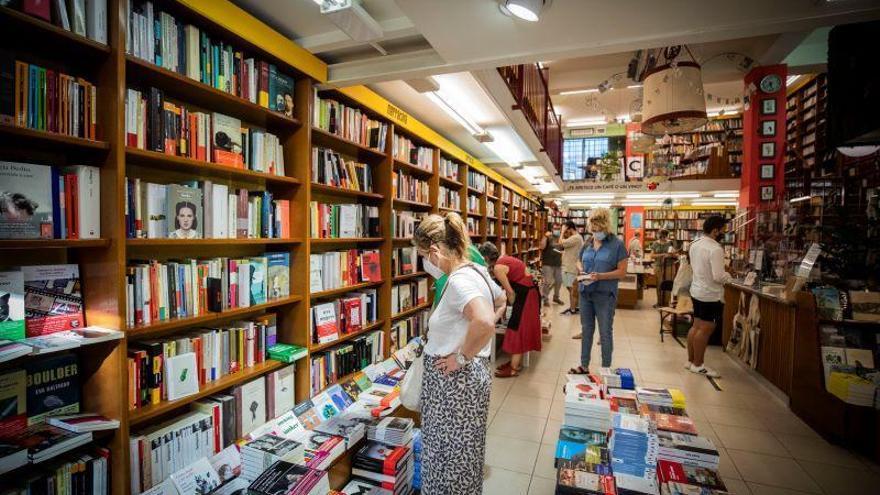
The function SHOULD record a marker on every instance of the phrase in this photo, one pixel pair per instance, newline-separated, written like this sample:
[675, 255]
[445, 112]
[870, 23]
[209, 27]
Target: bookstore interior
[210, 280]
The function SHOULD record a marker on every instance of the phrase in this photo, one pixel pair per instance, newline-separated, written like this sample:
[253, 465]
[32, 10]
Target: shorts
[568, 279]
[708, 310]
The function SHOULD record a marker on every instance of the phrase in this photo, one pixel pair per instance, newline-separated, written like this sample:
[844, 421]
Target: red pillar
[755, 138]
[629, 230]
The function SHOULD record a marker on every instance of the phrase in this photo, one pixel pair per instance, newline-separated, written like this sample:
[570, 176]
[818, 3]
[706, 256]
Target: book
[10, 350]
[865, 305]
[198, 478]
[12, 457]
[44, 441]
[287, 353]
[280, 387]
[260, 453]
[250, 405]
[87, 200]
[828, 303]
[12, 325]
[284, 478]
[325, 323]
[80, 423]
[53, 299]
[26, 204]
[306, 414]
[278, 275]
[226, 140]
[227, 463]
[13, 401]
[184, 211]
[53, 387]
[673, 475]
[181, 375]
[283, 98]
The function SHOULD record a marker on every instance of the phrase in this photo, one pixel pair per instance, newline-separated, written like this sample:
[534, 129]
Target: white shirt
[707, 263]
[447, 327]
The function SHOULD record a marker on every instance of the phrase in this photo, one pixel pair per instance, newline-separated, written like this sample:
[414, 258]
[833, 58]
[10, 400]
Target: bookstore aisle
[764, 448]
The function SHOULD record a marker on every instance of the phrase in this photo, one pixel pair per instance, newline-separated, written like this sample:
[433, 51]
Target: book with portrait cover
[12, 305]
[53, 387]
[184, 212]
[53, 299]
[26, 206]
[279, 275]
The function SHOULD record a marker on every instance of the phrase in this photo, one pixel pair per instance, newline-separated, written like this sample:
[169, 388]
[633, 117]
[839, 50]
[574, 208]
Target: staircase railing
[530, 89]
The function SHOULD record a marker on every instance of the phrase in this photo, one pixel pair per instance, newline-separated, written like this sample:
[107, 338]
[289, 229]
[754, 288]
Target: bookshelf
[710, 152]
[684, 224]
[102, 262]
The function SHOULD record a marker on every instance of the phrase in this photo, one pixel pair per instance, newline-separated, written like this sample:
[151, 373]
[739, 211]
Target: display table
[629, 292]
[776, 340]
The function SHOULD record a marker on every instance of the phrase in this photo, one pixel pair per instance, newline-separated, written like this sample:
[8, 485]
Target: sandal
[506, 373]
[580, 370]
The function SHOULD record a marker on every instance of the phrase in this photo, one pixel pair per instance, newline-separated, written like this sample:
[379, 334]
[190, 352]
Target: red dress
[524, 327]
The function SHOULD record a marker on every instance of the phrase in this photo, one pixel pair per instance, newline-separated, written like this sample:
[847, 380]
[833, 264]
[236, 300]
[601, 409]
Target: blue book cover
[278, 284]
[258, 280]
[266, 227]
[339, 397]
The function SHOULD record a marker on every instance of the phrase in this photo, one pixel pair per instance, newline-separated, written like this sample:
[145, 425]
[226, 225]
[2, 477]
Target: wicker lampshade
[671, 102]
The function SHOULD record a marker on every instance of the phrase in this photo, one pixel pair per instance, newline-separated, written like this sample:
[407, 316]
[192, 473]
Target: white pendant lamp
[527, 10]
[673, 100]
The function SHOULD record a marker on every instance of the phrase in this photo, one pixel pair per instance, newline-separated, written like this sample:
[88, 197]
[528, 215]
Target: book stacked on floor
[203, 210]
[341, 221]
[668, 418]
[634, 449]
[158, 291]
[670, 397]
[582, 445]
[346, 315]
[688, 449]
[336, 269]
[617, 378]
[161, 39]
[332, 169]
[349, 123]
[675, 478]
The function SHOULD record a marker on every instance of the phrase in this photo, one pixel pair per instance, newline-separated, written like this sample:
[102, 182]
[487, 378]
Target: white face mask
[432, 269]
[599, 235]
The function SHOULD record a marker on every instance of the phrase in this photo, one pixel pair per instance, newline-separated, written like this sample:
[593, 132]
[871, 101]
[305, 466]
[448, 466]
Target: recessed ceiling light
[527, 10]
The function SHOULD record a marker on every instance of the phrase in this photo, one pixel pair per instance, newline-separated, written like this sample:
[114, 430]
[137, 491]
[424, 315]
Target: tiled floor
[765, 449]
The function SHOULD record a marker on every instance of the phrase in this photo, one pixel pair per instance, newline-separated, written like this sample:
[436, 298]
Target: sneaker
[688, 366]
[565, 312]
[702, 370]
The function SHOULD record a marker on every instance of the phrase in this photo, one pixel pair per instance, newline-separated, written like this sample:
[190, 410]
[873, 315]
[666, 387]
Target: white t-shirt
[448, 326]
[709, 276]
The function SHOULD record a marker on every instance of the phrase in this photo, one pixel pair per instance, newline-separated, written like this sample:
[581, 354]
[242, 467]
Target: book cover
[184, 212]
[157, 203]
[339, 397]
[52, 299]
[282, 382]
[283, 94]
[828, 303]
[13, 401]
[865, 305]
[26, 203]
[324, 406]
[258, 280]
[281, 478]
[325, 322]
[252, 405]
[675, 472]
[44, 441]
[88, 200]
[371, 266]
[53, 387]
[199, 478]
[279, 275]
[84, 422]
[181, 376]
[306, 414]
[226, 140]
[12, 326]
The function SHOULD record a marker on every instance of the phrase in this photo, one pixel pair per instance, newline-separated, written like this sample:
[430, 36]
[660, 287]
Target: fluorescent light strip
[589, 196]
[585, 123]
[798, 200]
[791, 79]
[459, 117]
[714, 203]
[578, 92]
[726, 195]
[634, 86]
[681, 195]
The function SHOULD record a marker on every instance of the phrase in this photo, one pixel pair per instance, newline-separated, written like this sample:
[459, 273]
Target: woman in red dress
[524, 326]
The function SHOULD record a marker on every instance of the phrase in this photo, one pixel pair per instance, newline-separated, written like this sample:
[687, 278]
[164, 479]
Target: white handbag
[411, 385]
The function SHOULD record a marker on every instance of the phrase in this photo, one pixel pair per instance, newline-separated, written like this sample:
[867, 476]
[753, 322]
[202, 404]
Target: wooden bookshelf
[103, 261]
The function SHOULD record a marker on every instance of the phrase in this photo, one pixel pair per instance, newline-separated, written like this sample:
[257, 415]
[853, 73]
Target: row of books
[40, 299]
[45, 202]
[490, 209]
[449, 198]
[406, 329]
[47, 99]
[341, 221]
[473, 226]
[332, 169]
[404, 223]
[352, 356]
[407, 187]
[346, 315]
[85, 18]
[473, 204]
[448, 168]
[162, 290]
[404, 261]
[404, 149]
[82, 473]
[407, 295]
[155, 123]
[203, 209]
[349, 123]
[173, 368]
[476, 181]
[161, 39]
[40, 389]
[336, 269]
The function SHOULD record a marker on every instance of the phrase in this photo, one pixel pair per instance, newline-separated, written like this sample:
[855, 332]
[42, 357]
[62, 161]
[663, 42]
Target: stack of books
[584, 408]
[617, 378]
[581, 445]
[362, 487]
[290, 479]
[261, 453]
[687, 449]
[391, 431]
[584, 478]
[634, 449]
[671, 397]
[391, 467]
[851, 388]
[668, 418]
[675, 477]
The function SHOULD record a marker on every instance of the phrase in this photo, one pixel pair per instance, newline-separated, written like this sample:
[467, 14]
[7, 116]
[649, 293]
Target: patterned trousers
[455, 409]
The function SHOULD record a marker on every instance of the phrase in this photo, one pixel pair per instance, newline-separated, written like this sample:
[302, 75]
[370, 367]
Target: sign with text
[610, 186]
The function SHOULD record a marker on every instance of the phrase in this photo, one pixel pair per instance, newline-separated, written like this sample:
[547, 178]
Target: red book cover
[283, 212]
[676, 472]
[154, 292]
[38, 8]
[353, 314]
[197, 349]
[69, 213]
[51, 93]
[263, 93]
[372, 269]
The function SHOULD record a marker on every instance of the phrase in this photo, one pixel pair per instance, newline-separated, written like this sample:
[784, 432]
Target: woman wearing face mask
[524, 326]
[457, 381]
[603, 260]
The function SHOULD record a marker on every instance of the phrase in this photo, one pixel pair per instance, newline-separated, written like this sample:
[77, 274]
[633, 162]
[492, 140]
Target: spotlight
[527, 10]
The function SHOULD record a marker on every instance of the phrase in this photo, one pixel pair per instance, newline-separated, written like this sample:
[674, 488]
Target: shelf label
[397, 114]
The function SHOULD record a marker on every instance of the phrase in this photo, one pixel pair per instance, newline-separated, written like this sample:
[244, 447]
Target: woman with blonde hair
[457, 379]
[603, 261]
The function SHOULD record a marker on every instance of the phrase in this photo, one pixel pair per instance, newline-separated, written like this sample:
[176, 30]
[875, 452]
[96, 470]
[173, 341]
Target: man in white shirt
[707, 292]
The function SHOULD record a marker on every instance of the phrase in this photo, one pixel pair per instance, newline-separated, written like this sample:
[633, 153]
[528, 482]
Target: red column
[628, 227]
[755, 138]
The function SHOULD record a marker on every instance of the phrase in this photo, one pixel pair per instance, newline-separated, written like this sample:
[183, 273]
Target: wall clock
[771, 83]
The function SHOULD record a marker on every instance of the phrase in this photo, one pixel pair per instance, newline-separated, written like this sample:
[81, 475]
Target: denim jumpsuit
[599, 299]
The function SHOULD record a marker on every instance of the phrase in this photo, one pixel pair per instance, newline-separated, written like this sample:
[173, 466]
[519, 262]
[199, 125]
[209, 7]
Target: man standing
[707, 292]
[635, 245]
[661, 245]
[551, 265]
[571, 245]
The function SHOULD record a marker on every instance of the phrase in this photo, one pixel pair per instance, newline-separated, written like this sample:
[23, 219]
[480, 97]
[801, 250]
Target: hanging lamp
[673, 100]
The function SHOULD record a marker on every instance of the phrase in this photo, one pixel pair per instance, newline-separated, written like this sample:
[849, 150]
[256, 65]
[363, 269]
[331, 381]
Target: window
[577, 153]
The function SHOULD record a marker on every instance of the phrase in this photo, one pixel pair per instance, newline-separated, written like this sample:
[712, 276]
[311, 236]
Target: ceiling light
[442, 102]
[791, 79]
[714, 203]
[634, 86]
[589, 205]
[527, 10]
[798, 200]
[351, 18]
[578, 92]
[722, 194]
[585, 123]
[548, 187]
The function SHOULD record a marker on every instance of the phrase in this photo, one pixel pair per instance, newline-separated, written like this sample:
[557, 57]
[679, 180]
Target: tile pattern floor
[765, 449]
